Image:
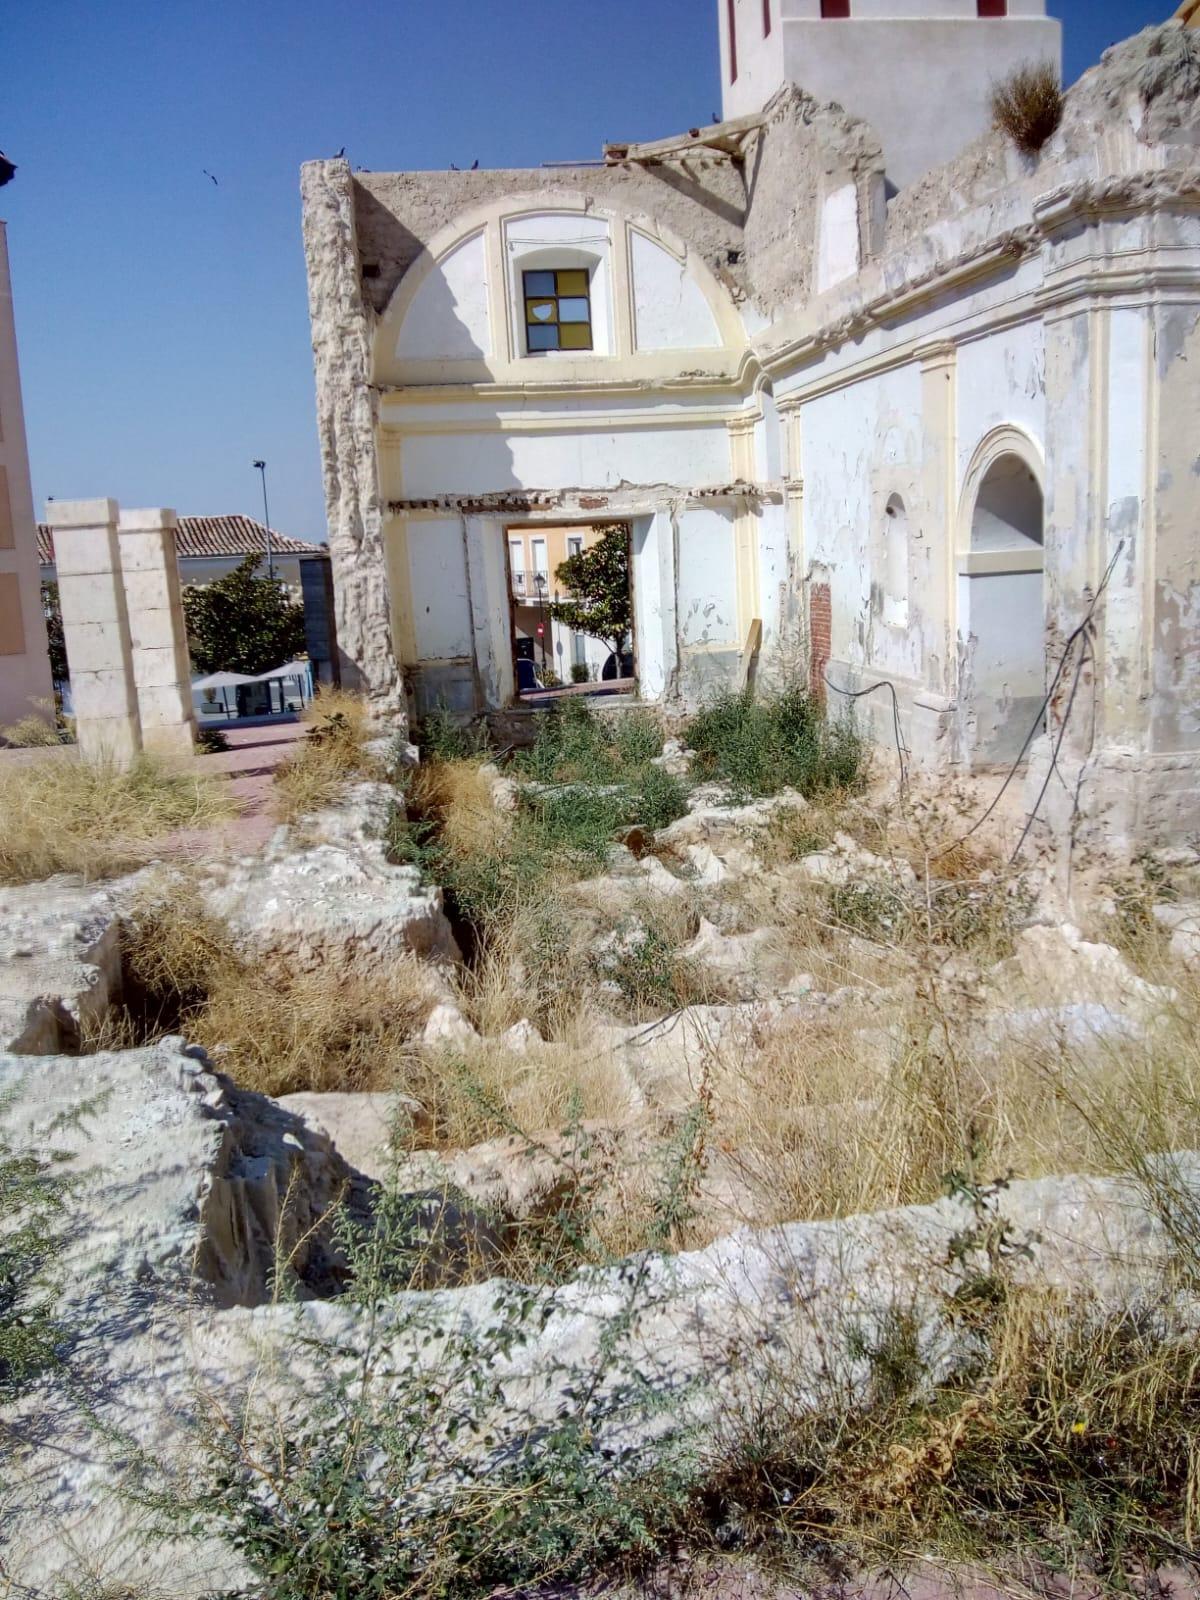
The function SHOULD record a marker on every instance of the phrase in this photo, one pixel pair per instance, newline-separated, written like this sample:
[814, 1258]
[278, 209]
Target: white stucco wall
[598, 458]
[449, 315]
[862, 445]
[1001, 380]
[670, 311]
[707, 579]
[441, 610]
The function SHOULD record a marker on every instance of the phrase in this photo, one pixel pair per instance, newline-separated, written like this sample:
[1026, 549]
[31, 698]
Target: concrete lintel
[147, 519]
[81, 513]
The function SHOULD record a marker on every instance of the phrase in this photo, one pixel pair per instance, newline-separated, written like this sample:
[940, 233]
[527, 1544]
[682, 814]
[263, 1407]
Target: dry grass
[332, 755]
[1028, 105]
[870, 1108]
[59, 814]
[329, 1029]
[31, 732]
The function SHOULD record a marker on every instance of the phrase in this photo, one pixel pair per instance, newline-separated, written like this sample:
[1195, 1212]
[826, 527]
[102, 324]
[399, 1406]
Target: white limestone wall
[589, 455]
[862, 446]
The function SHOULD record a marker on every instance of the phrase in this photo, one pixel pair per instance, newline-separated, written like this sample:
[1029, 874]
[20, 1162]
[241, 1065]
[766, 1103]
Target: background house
[209, 547]
[534, 557]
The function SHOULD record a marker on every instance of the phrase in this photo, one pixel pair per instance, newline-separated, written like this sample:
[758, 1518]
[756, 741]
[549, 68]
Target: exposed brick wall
[820, 636]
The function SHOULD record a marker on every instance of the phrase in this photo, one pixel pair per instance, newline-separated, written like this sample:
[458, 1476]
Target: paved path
[249, 764]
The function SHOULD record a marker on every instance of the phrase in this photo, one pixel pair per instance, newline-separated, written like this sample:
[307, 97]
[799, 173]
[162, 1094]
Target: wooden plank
[750, 650]
[726, 137]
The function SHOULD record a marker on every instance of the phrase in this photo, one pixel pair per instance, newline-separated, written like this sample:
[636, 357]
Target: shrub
[444, 737]
[761, 746]
[415, 1469]
[30, 733]
[1028, 106]
[580, 672]
[211, 740]
[332, 755]
[637, 737]
[58, 814]
[571, 746]
[659, 799]
[33, 1233]
[578, 821]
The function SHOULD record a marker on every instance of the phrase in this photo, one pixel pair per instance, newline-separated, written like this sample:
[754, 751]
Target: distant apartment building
[25, 685]
[534, 557]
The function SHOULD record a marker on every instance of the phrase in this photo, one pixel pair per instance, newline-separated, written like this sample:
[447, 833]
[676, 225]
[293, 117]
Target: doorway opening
[587, 649]
[1003, 608]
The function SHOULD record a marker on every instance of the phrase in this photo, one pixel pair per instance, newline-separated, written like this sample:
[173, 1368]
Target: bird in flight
[209, 175]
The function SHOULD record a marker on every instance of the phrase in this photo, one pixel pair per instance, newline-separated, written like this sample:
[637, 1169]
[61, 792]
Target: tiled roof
[211, 536]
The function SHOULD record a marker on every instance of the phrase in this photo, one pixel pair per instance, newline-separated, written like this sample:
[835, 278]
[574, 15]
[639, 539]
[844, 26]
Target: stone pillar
[96, 628]
[346, 424]
[161, 666]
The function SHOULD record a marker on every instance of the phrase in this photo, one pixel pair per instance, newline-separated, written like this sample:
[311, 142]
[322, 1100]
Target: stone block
[168, 739]
[103, 694]
[85, 552]
[156, 667]
[164, 703]
[95, 646]
[81, 513]
[115, 740]
[88, 598]
[146, 589]
[145, 552]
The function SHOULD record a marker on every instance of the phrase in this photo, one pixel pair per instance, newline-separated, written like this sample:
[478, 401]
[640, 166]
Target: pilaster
[96, 629]
[158, 634]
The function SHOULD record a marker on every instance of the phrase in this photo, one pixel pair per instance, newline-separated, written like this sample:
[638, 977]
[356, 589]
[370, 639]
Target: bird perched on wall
[453, 168]
[340, 153]
[7, 169]
[210, 177]
[475, 165]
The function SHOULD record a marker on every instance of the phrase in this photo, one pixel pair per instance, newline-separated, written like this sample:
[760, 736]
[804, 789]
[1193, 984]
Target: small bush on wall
[1028, 106]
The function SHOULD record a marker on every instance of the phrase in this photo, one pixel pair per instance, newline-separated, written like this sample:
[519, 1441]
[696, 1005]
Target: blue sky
[161, 318]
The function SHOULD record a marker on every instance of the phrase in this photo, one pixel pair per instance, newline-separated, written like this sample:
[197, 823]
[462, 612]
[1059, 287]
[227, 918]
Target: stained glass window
[558, 311]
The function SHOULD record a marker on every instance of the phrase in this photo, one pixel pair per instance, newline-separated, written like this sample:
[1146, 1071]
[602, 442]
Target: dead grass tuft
[60, 814]
[1028, 105]
[332, 755]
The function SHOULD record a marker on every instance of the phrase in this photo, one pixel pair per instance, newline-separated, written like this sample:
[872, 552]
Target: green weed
[761, 746]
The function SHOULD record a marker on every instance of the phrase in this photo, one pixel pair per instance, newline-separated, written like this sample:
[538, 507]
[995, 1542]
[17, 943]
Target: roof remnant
[200, 537]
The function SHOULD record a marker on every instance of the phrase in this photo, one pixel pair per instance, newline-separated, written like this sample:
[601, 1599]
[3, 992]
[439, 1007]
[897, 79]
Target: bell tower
[919, 71]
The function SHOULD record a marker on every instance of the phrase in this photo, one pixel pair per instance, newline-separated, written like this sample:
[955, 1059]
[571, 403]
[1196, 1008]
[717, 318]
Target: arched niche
[1001, 602]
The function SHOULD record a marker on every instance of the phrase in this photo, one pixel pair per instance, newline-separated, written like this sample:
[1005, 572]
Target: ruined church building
[847, 363]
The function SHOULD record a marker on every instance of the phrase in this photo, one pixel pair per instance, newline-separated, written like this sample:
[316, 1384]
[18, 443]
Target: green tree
[242, 623]
[55, 642]
[598, 581]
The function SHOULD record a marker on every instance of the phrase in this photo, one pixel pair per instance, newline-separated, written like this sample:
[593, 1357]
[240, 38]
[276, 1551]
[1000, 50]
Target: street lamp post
[262, 468]
[540, 579]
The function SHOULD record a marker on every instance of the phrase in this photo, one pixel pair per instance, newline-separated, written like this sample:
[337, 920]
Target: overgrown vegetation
[34, 1226]
[332, 755]
[1028, 105]
[759, 746]
[431, 1476]
[58, 814]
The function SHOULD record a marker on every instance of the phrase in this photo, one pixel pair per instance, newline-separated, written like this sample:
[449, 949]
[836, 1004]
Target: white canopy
[290, 669]
[231, 680]
[221, 680]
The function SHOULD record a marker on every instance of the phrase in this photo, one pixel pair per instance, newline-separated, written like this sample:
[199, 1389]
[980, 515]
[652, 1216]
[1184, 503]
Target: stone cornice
[1123, 193]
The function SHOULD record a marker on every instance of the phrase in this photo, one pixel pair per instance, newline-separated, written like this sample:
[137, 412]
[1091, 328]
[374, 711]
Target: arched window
[1008, 507]
[895, 565]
